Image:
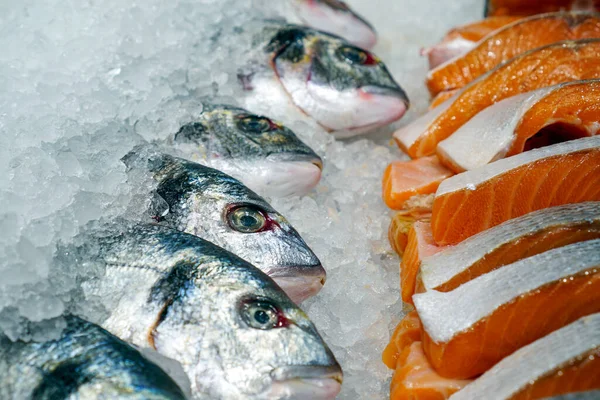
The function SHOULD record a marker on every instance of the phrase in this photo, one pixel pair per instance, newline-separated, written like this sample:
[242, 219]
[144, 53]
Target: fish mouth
[351, 112]
[278, 175]
[289, 178]
[392, 103]
[303, 285]
[322, 382]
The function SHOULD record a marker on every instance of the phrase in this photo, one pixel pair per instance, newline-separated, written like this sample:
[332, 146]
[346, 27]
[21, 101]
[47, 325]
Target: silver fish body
[345, 89]
[234, 331]
[214, 206]
[264, 154]
[85, 363]
[335, 17]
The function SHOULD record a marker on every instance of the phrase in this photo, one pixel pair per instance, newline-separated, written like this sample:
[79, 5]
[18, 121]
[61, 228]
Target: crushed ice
[81, 83]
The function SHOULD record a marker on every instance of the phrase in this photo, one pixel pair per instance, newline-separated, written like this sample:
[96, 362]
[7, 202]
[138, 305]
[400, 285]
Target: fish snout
[370, 92]
[301, 283]
[369, 107]
[291, 176]
[319, 382]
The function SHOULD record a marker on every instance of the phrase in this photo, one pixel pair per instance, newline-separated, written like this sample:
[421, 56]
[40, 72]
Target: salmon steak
[476, 200]
[407, 332]
[398, 231]
[532, 7]
[405, 179]
[504, 244]
[415, 379]
[510, 41]
[565, 361]
[535, 69]
[420, 245]
[549, 115]
[469, 329]
[463, 38]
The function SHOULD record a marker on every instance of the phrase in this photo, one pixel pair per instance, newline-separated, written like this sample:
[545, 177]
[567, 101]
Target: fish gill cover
[82, 83]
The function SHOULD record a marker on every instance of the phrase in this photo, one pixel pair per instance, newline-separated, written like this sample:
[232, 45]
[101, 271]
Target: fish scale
[233, 330]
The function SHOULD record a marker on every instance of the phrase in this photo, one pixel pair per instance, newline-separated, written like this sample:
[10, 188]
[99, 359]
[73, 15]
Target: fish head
[214, 206]
[264, 154]
[88, 363]
[334, 16]
[238, 335]
[347, 90]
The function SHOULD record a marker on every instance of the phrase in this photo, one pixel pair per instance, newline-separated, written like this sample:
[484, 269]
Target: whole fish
[335, 17]
[345, 89]
[234, 331]
[85, 363]
[214, 206]
[265, 155]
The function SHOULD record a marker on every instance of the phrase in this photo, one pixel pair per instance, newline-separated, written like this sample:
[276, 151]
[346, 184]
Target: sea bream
[214, 206]
[264, 154]
[335, 17]
[85, 363]
[345, 89]
[234, 331]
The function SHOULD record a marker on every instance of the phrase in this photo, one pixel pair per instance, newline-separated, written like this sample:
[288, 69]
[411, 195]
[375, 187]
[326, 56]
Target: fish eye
[353, 55]
[262, 314]
[254, 124]
[246, 219]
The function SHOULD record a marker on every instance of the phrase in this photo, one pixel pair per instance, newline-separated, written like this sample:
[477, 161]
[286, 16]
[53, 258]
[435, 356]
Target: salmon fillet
[469, 329]
[405, 179]
[476, 200]
[567, 360]
[535, 69]
[415, 379]
[398, 232]
[419, 246]
[510, 41]
[531, 7]
[556, 113]
[407, 332]
[463, 38]
[513, 240]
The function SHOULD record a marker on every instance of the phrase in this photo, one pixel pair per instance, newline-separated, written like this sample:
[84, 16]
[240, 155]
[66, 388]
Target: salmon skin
[535, 69]
[463, 38]
[471, 328]
[567, 360]
[476, 200]
[531, 7]
[415, 379]
[557, 113]
[509, 242]
[509, 42]
[420, 245]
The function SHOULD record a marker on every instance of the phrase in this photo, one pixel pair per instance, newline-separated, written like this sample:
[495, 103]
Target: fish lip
[291, 157]
[315, 270]
[303, 285]
[387, 91]
[298, 372]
